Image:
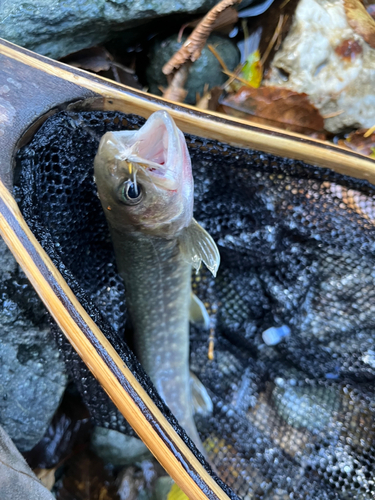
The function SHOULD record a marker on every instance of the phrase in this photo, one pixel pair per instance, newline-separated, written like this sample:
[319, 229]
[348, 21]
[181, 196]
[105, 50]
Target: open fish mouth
[154, 149]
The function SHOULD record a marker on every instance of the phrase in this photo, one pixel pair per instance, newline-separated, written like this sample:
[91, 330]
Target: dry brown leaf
[87, 479]
[210, 99]
[17, 480]
[360, 20]
[356, 141]
[276, 107]
[99, 60]
[46, 477]
[93, 59]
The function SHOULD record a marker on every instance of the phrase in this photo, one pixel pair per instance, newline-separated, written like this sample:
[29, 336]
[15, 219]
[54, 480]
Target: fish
[146, 188]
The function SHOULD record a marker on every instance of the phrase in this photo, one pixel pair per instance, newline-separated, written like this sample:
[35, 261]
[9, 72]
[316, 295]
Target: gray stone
[17, 480]
[206, 69]
[32, 375]
[163, 486]
[312, 407]
[117, 448]
[56, 29]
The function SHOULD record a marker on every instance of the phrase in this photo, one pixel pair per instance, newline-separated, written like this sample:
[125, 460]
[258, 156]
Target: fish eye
[131, 193]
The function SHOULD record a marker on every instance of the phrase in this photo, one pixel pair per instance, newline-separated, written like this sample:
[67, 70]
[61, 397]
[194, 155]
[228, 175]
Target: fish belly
[158, 291]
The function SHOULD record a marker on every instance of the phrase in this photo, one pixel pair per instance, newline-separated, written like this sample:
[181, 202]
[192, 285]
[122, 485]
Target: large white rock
[311, 60]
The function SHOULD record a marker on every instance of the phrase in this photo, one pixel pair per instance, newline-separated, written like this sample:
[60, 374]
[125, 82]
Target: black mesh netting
[297, 243]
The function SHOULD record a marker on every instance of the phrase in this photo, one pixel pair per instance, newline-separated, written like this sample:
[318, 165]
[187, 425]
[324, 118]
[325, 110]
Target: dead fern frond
[192, 48]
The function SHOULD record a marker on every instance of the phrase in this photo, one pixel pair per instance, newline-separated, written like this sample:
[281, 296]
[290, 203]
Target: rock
[144, 481]
[32, 375]
[132, 485]
[163, 486]
[59, 28]
[17, 480]
[117, 448]
[206, 69]
[323, 57]
[311, 407]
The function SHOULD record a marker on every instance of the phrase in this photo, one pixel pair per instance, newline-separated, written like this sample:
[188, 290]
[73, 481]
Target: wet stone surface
[59, 28]
[32, 375]
[117, 448]
[206, 70]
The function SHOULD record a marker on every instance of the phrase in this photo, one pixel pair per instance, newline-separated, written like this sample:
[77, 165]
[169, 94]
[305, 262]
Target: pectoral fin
[196, 245]
[198, 313]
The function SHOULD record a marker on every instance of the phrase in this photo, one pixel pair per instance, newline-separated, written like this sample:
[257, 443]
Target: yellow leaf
[252, 71]
[176, 493]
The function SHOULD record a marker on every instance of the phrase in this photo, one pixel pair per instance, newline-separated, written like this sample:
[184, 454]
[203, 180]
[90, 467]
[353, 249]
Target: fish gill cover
[291, 420]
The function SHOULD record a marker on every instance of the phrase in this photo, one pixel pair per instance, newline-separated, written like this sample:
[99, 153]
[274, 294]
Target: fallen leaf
[93, 59]
[46, 477]
[87, 479]
[210, 99]
[360, 20]
[99, 60]
[356, 141]
[252, 70]
[176, 493]
[17, 480]
[276, 107]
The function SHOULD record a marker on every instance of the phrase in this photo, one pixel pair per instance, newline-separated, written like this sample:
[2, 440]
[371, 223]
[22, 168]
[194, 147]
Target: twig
[369, 131]
[333, 114]
[236, 77]
[218, 56]
[233, 75]
[124, 68]
[211, 345]
[273, 40]
[192, 48]
[226, 71]
[280, 37]
[246, 36]
[284, 4]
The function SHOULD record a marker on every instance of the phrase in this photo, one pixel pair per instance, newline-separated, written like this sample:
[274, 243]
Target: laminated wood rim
[111, 96]
[59, 86]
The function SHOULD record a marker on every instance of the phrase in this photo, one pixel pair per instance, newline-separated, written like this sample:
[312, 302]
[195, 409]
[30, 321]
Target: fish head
[144, 178]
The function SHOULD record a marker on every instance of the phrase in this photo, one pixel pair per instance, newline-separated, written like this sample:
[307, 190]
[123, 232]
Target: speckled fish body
[158, 300]
[145, 186]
